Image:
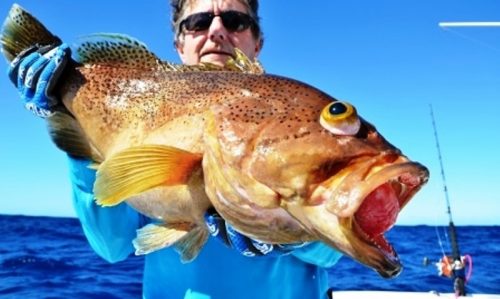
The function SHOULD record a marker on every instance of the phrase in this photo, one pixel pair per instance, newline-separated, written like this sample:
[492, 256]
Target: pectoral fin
[141, 168]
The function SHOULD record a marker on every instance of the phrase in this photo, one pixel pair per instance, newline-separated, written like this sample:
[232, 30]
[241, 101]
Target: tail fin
[21, 30]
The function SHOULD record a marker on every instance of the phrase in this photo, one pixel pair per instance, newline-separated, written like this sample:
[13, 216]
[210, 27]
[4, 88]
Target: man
[205, 31]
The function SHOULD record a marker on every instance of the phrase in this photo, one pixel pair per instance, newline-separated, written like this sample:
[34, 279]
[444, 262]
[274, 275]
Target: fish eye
[340, 118]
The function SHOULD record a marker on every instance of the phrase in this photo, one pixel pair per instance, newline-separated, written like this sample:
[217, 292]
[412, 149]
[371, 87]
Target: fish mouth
[367, 198]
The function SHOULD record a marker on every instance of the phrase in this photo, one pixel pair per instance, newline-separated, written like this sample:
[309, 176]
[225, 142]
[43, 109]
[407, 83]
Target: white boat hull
[403, 295]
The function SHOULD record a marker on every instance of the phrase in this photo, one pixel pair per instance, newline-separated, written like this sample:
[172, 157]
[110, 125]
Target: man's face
[215, 44]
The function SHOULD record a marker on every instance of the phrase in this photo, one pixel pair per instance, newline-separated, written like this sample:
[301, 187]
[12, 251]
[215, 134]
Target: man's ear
[179, 46]
[258, 46]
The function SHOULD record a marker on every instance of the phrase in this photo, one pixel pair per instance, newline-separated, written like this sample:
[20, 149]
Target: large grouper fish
[279, 160]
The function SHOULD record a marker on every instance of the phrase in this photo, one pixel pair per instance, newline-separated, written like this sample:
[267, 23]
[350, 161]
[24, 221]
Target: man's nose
[217, 32]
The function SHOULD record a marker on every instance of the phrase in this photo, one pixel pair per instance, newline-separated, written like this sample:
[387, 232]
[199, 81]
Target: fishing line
[440, 242]
[445, 188]
[471, 39]
[455, 260]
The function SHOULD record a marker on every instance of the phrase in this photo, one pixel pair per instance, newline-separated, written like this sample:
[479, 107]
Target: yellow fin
[189, 247]
[154, 237]
[202, 67]
[141, 168]
[94, 165]
[241, 63]
[68, 136]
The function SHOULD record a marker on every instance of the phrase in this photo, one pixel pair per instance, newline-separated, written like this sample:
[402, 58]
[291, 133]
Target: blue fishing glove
[35, 72]
[224, 232]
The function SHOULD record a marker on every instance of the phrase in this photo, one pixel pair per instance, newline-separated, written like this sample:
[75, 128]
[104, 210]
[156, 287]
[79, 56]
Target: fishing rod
[452, 266]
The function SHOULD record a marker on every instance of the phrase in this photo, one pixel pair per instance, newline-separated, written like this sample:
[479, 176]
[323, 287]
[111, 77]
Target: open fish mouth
[367, 199]
[375, 217]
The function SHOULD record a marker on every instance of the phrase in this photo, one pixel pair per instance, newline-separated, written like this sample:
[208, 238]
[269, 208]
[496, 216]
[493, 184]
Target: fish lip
[351, 190]
[386, 262]
[374, 251]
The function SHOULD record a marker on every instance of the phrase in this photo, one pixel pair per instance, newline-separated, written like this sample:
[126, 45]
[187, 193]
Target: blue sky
[387, 57]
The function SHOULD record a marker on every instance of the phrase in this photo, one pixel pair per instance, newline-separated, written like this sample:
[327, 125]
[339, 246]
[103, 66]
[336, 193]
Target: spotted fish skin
[173, 141]
[172, 108]
[140, 102]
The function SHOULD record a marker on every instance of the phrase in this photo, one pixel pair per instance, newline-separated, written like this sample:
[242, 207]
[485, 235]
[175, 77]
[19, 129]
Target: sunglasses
[233, 21]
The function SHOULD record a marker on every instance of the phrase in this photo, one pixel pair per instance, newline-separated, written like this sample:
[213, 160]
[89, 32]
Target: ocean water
[413, 244]
[44, 257]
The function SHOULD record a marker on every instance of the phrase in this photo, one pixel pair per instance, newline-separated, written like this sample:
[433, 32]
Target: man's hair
[179, 6]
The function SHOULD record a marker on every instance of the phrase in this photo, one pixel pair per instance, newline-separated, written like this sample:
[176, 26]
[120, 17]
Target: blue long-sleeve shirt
[218, 272]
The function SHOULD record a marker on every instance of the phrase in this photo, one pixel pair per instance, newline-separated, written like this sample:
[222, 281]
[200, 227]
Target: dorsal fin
[114, 49]
[202, 67]
[241, 63]
[125, 51]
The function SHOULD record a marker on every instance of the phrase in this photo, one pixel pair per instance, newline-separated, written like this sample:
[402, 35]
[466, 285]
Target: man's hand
[224, 232]
[35, 72]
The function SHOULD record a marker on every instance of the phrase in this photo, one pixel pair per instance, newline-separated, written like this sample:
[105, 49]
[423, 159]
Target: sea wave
[45, 257]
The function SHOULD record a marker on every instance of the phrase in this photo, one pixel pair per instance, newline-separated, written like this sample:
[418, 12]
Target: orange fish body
[278, 159]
